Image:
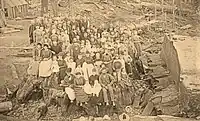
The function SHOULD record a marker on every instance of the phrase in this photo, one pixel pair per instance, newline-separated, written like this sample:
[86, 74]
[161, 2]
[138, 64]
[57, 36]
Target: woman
[87, 66]
[45, 65]
[79, 82]
[62, 67]
[33, 69]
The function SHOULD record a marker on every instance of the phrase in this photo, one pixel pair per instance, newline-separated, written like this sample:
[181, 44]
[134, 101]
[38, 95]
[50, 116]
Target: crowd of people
[83, 58]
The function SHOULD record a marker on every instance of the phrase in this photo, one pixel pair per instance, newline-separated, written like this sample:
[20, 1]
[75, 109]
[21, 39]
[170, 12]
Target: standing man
[44, 6]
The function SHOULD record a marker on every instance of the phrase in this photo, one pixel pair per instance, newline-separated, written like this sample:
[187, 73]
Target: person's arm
[112, 79]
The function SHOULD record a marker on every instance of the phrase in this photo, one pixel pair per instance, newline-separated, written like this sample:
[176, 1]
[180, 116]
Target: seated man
[106, 80]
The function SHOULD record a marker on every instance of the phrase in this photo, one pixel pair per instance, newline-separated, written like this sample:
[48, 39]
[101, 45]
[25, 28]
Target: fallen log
[15, 26]
[11, 31]
[22, 48]
[5, 106]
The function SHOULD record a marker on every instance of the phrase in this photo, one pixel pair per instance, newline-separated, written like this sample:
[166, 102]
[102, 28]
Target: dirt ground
[189, 57]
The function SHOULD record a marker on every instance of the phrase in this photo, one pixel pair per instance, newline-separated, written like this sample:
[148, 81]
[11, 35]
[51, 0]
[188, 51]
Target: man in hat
[107, 80]
[31, 30]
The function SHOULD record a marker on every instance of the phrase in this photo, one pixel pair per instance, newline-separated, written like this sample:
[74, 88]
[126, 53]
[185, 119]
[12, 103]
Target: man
[107, 80]
[31, 30]
[37, 35]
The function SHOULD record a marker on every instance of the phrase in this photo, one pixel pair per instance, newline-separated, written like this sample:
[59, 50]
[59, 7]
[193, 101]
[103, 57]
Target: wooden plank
[22, 48]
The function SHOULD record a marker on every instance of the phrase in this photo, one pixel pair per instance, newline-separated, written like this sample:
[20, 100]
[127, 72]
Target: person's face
[39, 46]
[104, 71]
[97, 56]
[55, 43]
[79, 56]
[82, 29]
[45, 47]
[60, 57]
[88, 30]
[92, 39]
[73, 27]
[78, 75]
[87, 55]
[85, 34]
[70, 60]
[78, 37]
[54, 58]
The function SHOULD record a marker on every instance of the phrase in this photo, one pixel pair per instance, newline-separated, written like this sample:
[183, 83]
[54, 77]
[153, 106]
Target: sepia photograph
[99, 60]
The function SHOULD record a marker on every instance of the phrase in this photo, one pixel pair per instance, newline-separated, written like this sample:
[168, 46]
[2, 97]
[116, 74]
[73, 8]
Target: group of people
[83, 58]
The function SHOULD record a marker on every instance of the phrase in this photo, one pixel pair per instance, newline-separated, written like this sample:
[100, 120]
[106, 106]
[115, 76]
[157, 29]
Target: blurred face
[70, 60]
[87, 55]
[60, 57]
[78, 75]
[39, 46]
[54, 58]
[82, 29]
[85, 35]
[79, 56]
[96, 82]
[88, 30]
[45, 47]
[37, 27]
[104, 71]
[55, 43]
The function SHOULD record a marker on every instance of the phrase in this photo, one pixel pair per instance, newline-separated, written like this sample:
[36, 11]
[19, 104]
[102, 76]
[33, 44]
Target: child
[79, 82]
[71, 64]
[55, 70]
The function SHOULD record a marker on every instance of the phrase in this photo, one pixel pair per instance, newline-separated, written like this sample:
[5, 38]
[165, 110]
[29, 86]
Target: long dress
[81, 96]
[62, 68]
[33, 68]
[45, 65]
[87, 68]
